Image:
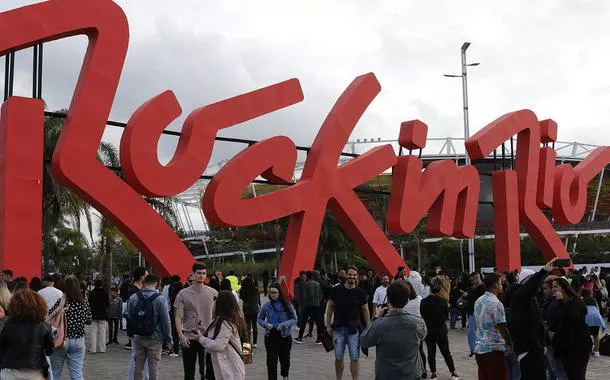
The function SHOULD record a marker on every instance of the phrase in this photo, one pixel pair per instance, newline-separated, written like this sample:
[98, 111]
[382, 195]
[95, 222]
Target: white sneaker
[454, 376]
[596, 354]
[173, 355]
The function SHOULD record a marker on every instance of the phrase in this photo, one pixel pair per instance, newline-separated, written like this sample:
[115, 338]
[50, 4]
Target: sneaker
[298, 340]
[433, 376]
[596, 354]
[127, 346]
[173, 355]
[255, 345]
[318, 341]
[424, 375]
[309, 336]
[455, 376]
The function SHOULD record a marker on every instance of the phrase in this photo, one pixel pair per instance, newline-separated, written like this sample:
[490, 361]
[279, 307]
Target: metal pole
[471, 264]
[599, 188]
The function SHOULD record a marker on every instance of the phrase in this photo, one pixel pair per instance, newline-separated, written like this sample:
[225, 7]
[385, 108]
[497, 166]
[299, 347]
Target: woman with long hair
[223, 338]
[594, 319]
[77, 314]
[435, 312]
[277, 317]
[251, 301]
[572, 341]
[5, 298]
[26, 340]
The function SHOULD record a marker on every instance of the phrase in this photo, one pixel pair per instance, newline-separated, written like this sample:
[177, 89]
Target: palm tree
[332, 239]
[59, 205]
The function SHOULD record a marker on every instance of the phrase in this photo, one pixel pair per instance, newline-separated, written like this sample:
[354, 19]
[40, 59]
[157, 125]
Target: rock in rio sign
[446, 192]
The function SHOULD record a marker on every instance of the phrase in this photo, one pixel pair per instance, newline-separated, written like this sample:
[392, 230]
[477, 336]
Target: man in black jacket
[527, 326]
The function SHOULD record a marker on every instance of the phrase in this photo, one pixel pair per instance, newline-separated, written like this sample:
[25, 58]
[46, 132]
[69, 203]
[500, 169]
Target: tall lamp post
[464, 77]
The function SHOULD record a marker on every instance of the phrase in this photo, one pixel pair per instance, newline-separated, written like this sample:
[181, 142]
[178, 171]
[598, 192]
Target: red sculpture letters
[448, 193]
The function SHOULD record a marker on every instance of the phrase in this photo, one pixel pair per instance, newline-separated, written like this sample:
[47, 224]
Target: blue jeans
[132, 363]
[74, 355]
[453, 314]
[472, 332]
[341, 337]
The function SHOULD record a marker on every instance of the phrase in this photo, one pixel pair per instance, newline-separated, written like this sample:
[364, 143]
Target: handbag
[246, 348]
[327, 342]
[57, 320]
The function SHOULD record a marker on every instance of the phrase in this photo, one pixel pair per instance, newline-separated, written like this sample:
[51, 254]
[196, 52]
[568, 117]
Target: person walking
[493, 342]
[148, 318]
[50, 293]
[397, 336]
[174, 289]
[193, 311]
[277, 317]
[348, 306]
[265, 277]
[77, 314]
[223, 339]
[99, 300]
[572, 341]
[251, 302]
[435, 311]
[139, 275]
[311, 300]
[115, 312]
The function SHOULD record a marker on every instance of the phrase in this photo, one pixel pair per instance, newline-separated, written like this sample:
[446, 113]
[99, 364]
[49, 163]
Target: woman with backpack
[26, 340]
[222, 339]
[77, 315]
[277, 317]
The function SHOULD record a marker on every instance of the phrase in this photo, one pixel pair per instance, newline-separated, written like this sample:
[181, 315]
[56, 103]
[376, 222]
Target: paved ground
[309, 361]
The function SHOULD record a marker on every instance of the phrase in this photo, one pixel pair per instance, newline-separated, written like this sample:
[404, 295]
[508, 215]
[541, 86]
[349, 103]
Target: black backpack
[143, 321]
[604, 345]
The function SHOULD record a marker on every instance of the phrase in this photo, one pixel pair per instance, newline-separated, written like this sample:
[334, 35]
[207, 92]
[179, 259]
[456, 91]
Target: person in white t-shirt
[49, 293]
[380, 297]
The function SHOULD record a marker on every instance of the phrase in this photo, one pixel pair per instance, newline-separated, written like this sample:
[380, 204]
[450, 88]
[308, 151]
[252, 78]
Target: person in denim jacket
[277, 317]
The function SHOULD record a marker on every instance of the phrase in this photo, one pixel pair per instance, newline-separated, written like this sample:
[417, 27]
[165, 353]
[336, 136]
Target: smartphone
[562, 263]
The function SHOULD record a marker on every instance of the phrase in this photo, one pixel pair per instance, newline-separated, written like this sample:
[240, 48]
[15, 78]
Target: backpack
[59, 328]
[143, 319]
[604, 345]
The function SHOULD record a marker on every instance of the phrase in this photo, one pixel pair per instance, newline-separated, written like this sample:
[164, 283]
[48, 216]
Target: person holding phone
[526, 325]
[277, 317]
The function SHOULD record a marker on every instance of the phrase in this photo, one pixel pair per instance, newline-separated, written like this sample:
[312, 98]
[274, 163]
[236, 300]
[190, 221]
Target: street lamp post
[464, 76]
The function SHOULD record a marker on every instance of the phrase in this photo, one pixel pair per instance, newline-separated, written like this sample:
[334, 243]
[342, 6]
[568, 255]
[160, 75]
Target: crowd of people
[521, 325]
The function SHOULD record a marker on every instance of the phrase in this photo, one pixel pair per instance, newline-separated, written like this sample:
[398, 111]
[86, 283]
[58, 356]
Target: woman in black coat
[572, 341]
[26, 339]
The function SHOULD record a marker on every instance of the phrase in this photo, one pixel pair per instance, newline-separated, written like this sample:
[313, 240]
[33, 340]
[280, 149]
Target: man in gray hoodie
[396, 336]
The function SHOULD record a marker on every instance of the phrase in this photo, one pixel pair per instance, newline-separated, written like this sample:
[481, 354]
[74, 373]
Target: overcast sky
[550, 56]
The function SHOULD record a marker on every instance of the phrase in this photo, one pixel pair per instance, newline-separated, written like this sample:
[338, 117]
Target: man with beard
[380, 298]
[348, 305]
